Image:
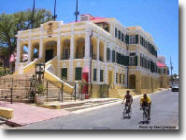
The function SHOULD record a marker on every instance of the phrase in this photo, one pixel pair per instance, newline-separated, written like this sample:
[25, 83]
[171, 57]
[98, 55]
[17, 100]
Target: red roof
[94, 19]
[160, 64]
[97, 19]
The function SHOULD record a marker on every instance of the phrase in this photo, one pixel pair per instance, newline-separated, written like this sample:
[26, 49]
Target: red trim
[160, 64]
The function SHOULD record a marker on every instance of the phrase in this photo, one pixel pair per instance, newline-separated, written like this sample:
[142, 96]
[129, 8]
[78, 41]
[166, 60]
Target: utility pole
[76, 12]
[33, 12]
[171, 67]
[55, 16]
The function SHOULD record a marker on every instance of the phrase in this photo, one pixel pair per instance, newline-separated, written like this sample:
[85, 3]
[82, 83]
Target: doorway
[49, 55]
[50, 50]
[132, 82]
[110, 78]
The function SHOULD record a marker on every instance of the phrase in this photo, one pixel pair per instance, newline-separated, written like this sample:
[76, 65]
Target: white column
[71, 66]
[98, 42]
[41, 43]
[58, 55]
[87, 45]
[72, 47]
[41, 48]
[59, 47]
[29, 50]
[18, 51]
[106, 74]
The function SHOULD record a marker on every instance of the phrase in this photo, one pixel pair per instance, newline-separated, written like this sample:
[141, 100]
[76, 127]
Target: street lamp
[39, 71]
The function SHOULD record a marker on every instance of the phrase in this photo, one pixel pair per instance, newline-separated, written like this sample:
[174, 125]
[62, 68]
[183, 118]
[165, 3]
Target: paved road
[164, 114]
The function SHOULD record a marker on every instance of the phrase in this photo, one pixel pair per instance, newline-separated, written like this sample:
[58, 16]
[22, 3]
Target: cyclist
[128, 99]
[146, 101]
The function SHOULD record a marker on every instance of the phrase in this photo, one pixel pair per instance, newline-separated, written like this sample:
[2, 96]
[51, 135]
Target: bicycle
[126, 111]
[145, 114]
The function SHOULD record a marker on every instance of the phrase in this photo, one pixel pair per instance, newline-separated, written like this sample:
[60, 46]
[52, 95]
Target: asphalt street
[164, 115]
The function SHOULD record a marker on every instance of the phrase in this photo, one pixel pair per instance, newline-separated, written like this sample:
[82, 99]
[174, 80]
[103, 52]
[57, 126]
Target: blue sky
[158, 17]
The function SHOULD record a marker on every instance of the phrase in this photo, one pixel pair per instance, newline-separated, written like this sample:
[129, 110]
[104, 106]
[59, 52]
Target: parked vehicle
[175, 88]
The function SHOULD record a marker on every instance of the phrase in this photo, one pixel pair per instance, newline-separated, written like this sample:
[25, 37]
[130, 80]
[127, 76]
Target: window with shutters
[78, 73]
[132, 39]
[101, 75]
[95, 75]
[133, 60]
[64, 73]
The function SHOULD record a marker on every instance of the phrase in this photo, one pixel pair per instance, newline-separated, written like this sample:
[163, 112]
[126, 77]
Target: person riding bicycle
[146, 101]
[128, 99]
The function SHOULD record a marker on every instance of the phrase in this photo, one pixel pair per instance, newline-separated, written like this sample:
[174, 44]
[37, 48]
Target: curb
[109, 104]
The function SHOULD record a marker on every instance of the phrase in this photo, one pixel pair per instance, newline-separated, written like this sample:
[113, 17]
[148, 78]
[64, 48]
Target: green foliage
[10, 24]
[4, 71]
[40, 89]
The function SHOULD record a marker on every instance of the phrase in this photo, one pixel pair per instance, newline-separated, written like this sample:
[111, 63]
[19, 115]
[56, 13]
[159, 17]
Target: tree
[10, 24]
[4, 56]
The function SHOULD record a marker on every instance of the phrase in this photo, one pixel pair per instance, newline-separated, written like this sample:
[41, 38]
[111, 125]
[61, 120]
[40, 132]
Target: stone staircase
[54, 94]
[21, 87]
[20, 81]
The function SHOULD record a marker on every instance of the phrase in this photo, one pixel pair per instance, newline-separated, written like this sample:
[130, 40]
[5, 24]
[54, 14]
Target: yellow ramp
[58, 82]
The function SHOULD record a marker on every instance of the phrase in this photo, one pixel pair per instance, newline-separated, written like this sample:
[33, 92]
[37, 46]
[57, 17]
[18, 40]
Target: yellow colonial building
[113, 55]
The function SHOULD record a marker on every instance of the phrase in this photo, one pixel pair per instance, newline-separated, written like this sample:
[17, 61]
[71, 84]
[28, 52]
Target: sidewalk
[24, 114]
[64, 105]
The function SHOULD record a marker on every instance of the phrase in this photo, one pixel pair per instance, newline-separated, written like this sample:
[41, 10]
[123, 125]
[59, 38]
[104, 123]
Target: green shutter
[116, 32]
[95, 74]
[78, 73]
[127, 39]
[136, 60]
[126, 60]
[137, 39]
[113, 56]
[101, 75]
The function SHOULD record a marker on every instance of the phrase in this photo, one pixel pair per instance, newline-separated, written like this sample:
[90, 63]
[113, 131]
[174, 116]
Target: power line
[171, 68]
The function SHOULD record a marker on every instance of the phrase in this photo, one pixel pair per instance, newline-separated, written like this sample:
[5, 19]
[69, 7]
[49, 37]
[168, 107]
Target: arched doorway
[65, 49]
[50, 50]
[24, 53]
[80, 48]
[35, 51]
[101, 51]
[132, 82]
